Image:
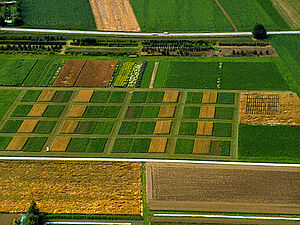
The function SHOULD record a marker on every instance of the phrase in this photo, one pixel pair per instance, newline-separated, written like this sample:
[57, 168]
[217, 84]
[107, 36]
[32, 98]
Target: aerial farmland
[149, 112]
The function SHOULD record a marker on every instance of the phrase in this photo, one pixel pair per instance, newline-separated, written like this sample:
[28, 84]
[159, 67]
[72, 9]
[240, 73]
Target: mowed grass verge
[55, 14]
[269, 143]
[180, 15]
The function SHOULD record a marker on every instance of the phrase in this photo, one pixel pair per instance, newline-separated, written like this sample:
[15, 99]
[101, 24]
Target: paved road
[140, 34]
[88, 223]
[150, 160]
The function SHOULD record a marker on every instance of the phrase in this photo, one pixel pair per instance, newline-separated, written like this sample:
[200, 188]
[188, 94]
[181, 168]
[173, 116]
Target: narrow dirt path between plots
[114, 15]
[153, 74]
[227, 16]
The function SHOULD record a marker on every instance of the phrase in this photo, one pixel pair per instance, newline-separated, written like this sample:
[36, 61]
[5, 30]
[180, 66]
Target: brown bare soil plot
[96, 73]
[207, 112]
[27, 126]
[205, 128]
[71, 187]
[209, 97]
[69, 127]
[114, 15]
[46, 96]
[17, 143]
[227, 188]
[158, 145]
[270, 108]
[69, 73]
[37, 110]
[167, 111]
[162, 127]
[201, 146]
[60, 144]
[84, 96]
[171, 96]
[77, 111]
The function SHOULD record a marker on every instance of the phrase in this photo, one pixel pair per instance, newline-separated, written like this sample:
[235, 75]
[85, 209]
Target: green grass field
[7, 97]
[184, 146]
[34, 144]
[245, 14]
[104, 127]
[180, 15]
[188, 128]
[21, 111]
[96, 145]
[191, 112]
[11, 126]
[131, 145]
[194, 97]
[147, 74]
[222, 129]
[139, 97]
[55, 14]
[225, 113]
[269, 143]
[54, 111]
[44, 127]
[31, 96]
[4, 141]
[100, 97]
[93, 112]
[62, 96]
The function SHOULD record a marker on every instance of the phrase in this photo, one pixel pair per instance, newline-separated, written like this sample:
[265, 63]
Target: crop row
[124, 74]
[137, 74]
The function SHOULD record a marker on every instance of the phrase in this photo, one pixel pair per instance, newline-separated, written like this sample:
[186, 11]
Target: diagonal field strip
[153, 75]
[227, 16]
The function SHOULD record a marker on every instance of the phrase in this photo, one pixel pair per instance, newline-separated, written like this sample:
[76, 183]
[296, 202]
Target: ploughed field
[69, 187]
[223, 188]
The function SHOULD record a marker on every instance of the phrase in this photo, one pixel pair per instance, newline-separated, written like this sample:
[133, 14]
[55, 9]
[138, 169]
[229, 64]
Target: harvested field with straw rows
[114, 15]
[207, 112]
[158, 145]
[84, 95]
[205, 128]
[171, 96]
[167, 111]
[77, 111]
[225, 188]
[17, 143]
[27, 126]
[270, 108]
[46, 96]
[71, 187]
[60, 144]
[209, 97]
[37, 110]
[162, 127]
[69, 73]
[96, 73]
[69, 127]
[201, 146]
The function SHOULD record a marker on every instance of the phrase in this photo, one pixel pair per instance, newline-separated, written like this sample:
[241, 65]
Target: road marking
[151, 160]
[228, 216]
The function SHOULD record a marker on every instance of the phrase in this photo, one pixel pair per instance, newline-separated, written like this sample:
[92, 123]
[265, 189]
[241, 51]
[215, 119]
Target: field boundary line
[153, 75]
[96, 223]
[226, 14]
[227, 216]
[149, 160]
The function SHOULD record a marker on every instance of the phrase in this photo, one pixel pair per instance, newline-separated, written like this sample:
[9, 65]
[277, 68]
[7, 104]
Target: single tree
[259, 32]
[2, 21]
[18, 22]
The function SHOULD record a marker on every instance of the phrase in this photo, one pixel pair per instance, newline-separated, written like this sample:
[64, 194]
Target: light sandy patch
[37, 110]
[153, 74]
[158, 145]
[207, 112]
[162, 127]
[270, 108]
[69, 127]
[60, 144]
[17, 143]
[205, 128]
[84, 96]
[171, 96]
[167, 111]
[77, 111]
[27, 126]
[209, 97]
[201, 146]
[114, 15]
[46, 96]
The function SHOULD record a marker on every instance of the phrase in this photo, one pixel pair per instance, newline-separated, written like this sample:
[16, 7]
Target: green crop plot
[31, 96]
[34, 144]
[16, 71]
[44, 127]
[225, 98]
[86, 127]
[7, 97]
[139, 97]
[21, 111]
[57, 14]
[62, 96]
[224, 113]
[116, 97]
[96, 145]
[269, 143]
[222, 129]
[221, 148]
[100, 97]
[245, 14]
[110, 112]
[194, 97]
[150, 112]
[145, 127]
[147, 74]
[188, 128]
[54, 111]
[180, 15]
[184, 146]
[191, 112]
[134, 112]
[122, 145]
[78, 145]
[104, 127]
[140, 145]
[155, 97]
[11, 126]
[4, 141]
[93, 112]
[128, 128]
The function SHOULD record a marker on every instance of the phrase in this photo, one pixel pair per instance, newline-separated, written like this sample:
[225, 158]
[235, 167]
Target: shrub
[259, 32]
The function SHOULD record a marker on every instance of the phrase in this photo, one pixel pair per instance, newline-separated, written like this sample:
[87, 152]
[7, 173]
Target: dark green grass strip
[140, 145]
[188, 128]
[184, 146]
[146, 128]
[78, 145]
[225, 98]
[224, 113]
[31, 96]
[116, 97]
[54, 111]
[110, 112]
[139, 97]
[44, 127]
[93, 112]
[122, 145]
[222, 129]
[7, 97]
[96, 145]
[269, 143]
[191, 112]
[128, 128]
[104, 127]
[4, 141]
[34, 144]
[100, 97]
[194, 97]
[11, 126]
[21, 111]
[155, 97]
